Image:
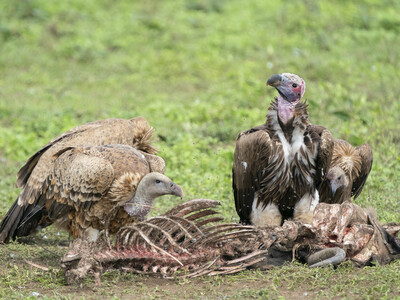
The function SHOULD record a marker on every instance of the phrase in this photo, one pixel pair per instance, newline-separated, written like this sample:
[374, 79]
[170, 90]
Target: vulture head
[337, 179]
[291, 89]
[151, 186]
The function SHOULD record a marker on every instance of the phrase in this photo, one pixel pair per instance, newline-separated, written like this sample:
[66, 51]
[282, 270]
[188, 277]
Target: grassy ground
[196, 69]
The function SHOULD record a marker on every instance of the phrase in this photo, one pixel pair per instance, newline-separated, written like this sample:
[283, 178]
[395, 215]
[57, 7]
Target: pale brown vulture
[74, 183]
[279, 165]
[347, 173]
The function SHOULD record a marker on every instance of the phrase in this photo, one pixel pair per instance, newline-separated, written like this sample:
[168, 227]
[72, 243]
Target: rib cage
[188, 241]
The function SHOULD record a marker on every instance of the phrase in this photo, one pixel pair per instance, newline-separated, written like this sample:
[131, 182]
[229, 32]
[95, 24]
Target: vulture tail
[10, 222]
[22, 220]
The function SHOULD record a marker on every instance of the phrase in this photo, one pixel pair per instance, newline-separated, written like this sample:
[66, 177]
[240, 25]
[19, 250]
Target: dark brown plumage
[347, 173]
[73, 182]
[278, 165]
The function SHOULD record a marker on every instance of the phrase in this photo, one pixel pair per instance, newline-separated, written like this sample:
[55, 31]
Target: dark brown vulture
[278, 165]
[74, 183]
[347, 173]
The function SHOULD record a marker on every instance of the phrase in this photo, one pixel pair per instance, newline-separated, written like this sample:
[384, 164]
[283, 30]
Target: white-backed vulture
[72, 175]
[279, 165]
[347, 173]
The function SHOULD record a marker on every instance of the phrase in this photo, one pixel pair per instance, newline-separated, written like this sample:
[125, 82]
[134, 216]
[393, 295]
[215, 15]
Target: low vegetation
[196, 69]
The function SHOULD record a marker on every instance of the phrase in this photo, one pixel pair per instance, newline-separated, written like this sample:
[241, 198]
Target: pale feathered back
[55, 164]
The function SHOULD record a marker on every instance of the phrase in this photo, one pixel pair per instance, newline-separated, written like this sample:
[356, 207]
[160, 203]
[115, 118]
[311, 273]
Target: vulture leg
[255, 178]
[91, 234]
[267, 216]
[304, 209]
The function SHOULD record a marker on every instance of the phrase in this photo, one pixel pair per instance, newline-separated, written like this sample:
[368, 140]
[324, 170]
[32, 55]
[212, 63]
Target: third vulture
[347, 173]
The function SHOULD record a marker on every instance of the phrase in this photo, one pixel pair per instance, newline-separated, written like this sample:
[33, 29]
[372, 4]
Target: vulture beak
[176, 190]
[337, 179]
[282, 85]
[334, 188]
[274, 80]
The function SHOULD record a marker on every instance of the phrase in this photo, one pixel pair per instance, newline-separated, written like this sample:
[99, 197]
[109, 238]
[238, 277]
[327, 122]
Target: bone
[327, 257]
[191, 206]
[191, 241]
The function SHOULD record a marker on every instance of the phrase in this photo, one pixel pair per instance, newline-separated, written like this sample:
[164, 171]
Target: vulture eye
[158, 181]
[294, 85]
[339, 178]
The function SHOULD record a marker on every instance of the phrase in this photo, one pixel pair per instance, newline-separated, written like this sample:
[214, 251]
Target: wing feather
[324, 139]
[135, 132]
[365, 153]
[252, 154]
[79, 177]
[26, 170]
[83, 185]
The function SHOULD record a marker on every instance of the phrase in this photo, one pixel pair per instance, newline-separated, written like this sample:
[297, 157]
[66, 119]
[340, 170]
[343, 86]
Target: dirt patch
[207, 288]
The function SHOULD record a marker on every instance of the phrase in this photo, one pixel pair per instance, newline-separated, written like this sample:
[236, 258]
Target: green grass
[196, 69]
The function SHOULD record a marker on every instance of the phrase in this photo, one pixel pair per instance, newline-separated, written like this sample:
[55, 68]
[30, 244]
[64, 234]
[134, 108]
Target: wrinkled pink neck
[285, 110]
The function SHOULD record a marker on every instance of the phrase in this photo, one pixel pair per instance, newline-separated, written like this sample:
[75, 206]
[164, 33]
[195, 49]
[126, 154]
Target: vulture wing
[135, 132]
[79, 176]
[84, 184]
[255, 152]
[323, 138]
[76, 178]
[25, 172]
[365, 153]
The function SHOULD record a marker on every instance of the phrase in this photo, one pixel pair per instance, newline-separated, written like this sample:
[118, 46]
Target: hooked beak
[275, 80]
[279, 82]
[176, 190]
[334, 188]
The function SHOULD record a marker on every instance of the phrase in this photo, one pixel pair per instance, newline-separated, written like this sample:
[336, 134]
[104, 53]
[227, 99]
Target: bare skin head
[291, 89]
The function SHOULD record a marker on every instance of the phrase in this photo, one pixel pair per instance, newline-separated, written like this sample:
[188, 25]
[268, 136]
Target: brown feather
[366, 155]
[261, 169]
[90, 181]
[135, 132]
[52, 170]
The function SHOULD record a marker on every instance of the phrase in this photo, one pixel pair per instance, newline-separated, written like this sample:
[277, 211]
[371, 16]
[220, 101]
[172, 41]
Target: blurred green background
[196, 69]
